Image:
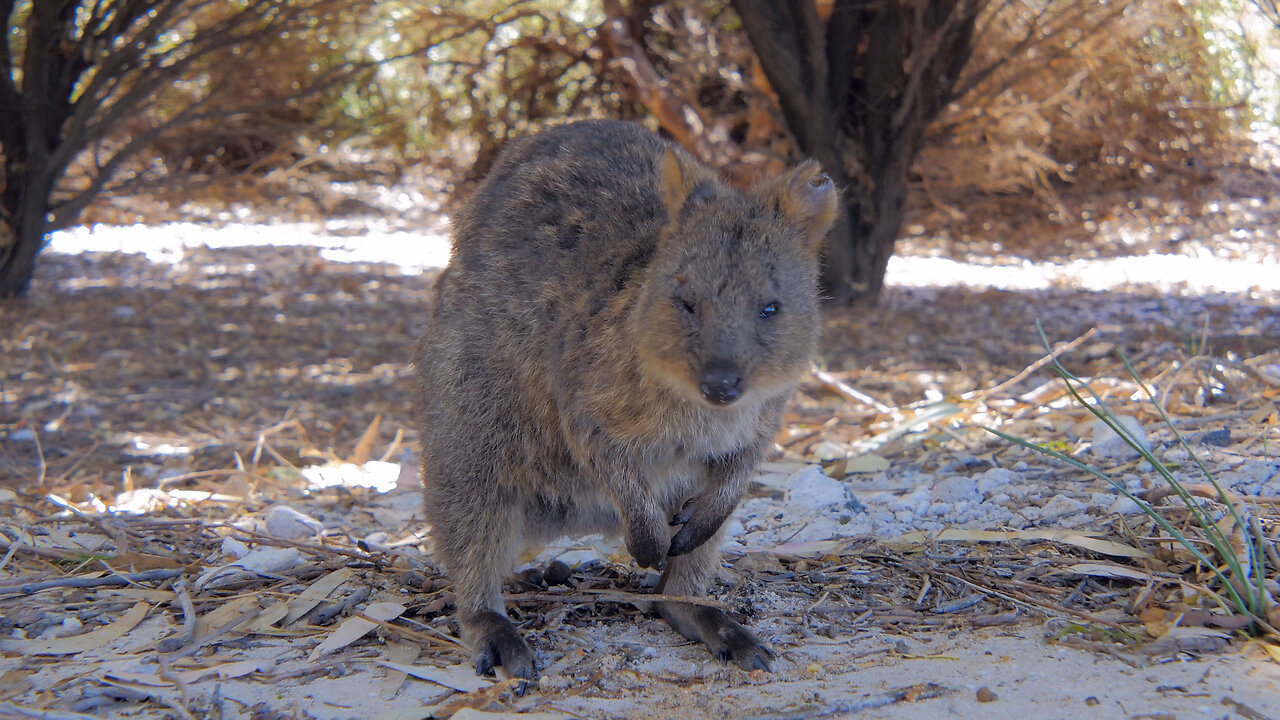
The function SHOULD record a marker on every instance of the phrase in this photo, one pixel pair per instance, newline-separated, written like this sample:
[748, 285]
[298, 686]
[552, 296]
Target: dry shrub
[1106, 95]
[494, 70]
[1059, 94]
[257, 94]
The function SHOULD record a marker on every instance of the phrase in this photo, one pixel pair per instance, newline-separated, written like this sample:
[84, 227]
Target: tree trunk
[858, 84]
[24, 224]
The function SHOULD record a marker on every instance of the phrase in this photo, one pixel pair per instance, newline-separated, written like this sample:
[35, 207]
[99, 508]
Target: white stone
[1061, 506]
[995, 478]
[286, 523]
[1107, 444]
[955, 489]
[810, 488]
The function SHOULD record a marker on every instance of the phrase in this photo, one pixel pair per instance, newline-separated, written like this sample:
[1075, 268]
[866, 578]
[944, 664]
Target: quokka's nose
[721, 382]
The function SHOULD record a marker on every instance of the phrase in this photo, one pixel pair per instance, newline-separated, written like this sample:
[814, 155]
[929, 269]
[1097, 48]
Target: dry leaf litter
[210, 503]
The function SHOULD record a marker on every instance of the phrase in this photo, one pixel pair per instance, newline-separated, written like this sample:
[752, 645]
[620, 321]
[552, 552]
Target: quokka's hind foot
[691, 574]
[724, 637]
[495, 641]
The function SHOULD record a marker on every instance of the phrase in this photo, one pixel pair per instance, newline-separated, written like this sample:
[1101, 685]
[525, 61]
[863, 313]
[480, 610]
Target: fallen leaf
[810, 549]
[354, 628]
[80, 643]
[364, 446]
[225, 617]
[138, 562]
[16, 681]
[457, 677]
[400, 652]
[1189, 639]
[865, 463]
[1106, 570]
[226, 671]
[1067, 537]
[1272, 650]
[315, 593]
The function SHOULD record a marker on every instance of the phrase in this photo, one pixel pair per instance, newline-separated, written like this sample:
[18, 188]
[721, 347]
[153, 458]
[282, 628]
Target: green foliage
[1239, 562]
[480, 72]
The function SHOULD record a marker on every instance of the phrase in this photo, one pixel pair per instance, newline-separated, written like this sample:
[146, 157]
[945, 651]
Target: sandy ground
[144, 356]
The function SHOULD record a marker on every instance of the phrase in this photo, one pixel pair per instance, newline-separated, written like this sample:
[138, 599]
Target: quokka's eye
[686, 305]
[769, 310]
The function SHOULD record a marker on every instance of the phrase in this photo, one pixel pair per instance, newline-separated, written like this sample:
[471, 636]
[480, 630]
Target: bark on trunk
[25, 226]
[858, 88]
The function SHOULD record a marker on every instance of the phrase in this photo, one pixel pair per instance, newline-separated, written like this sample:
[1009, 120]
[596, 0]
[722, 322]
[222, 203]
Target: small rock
[760, 562]
[986, 695]
[811, 488]
[580, 559]
[233, 548]
[955, 489]
[286, 523]
[964, 462]
[1214, 438]
[1061, 506]
[1124, 505]
[993, 479]
[414, 579]
[557, 573]
[1107, 444]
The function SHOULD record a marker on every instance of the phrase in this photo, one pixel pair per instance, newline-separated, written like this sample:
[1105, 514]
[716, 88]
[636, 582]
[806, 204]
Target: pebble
[810, 488]
[1061, 506]
[955, 489]
[286, 523]
[1110, 446]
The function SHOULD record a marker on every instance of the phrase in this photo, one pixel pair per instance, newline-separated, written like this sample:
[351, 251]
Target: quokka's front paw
[648, 542]
[700, 517]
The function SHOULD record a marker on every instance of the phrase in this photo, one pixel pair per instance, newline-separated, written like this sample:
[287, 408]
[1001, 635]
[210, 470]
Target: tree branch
[676, 116]
[11, 136]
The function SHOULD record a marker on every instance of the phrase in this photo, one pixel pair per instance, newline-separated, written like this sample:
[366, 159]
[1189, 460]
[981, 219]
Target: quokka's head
[729, 309]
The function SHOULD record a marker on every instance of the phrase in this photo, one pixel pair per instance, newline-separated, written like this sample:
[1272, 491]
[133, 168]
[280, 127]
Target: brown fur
[597, 361]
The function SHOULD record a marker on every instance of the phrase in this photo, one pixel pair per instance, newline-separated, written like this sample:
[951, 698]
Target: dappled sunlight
[172, 243]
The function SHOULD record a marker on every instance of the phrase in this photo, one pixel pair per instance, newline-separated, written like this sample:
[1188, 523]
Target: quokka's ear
[681, 183]
[807, 197]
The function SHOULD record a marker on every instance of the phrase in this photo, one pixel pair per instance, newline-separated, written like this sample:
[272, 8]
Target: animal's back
[542, 251]
[564, 216]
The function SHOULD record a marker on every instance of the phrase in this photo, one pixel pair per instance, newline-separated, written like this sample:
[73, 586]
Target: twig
[959, 604]
[1208, 492]
[35, 437]
[188, 610]
[8, 556]
[263, 539]
[1059, 350]
[85, 582]
[1037, 604]
[620, 596]
[814, 711]
[43, 713]
[80, 460]
[848, 390]
[165, 482]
